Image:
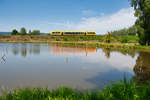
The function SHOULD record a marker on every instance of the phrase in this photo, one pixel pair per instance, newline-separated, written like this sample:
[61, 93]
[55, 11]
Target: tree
[29, 31]
[142, 12]
[132, 30]
[14, 32]
[126, 31]
[23, 31]
[35, 32]
[107, 38]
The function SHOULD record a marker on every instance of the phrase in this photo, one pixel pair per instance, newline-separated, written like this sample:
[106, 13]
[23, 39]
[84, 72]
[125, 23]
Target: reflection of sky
[117, 60]
[40, 67]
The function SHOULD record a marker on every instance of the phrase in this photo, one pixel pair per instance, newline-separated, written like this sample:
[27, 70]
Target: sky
[66, 15]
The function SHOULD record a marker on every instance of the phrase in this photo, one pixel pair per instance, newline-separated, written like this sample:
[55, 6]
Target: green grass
[123, 90]
[45, 38]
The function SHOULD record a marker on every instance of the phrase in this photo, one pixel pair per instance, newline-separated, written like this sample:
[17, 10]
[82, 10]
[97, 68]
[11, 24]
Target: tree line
[131, 31]
[23, 31]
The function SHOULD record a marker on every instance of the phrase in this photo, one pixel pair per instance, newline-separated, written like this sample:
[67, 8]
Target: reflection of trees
[142, 67]
[15, 50]
[25, 49]
[34, 49]
[107, 52]
[128, 52]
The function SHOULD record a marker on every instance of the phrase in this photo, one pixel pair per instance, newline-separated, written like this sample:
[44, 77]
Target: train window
[91, 33]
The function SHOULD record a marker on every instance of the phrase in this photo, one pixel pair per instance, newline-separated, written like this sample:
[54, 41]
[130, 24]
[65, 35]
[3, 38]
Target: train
[73, 33]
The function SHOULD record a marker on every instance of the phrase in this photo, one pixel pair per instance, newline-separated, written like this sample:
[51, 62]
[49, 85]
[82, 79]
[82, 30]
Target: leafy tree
[29, 31]
[14, 32]
[132, 30]
[35, 32]
[142, 12]
[23, 31]
[126, 31]
[107, 38]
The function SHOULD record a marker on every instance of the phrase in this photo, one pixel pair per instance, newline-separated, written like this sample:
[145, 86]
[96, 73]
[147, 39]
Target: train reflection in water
[59, 49]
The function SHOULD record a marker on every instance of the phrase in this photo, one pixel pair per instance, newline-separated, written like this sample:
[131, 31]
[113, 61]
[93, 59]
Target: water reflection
[60, 49]
[75, 66]
[26, 49]
[108, 52]
[142, 67]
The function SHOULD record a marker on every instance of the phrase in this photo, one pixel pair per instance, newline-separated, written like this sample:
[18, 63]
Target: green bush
[35, 32]
[65, 39]
[25, 39]
[124, 40]
[14, 32]
[129, 39]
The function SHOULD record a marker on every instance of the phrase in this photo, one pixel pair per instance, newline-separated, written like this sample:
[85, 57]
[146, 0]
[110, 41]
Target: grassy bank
[118, 39]
[117, 42]
[119, 91]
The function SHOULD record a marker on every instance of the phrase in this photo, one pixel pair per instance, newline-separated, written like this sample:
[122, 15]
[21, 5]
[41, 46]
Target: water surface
[51, 65]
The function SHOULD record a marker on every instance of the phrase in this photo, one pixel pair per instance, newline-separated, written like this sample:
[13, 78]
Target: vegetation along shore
[123, 90]
[120, 42]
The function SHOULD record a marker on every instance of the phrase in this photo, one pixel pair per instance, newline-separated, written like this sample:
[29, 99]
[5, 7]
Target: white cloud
[102, 24]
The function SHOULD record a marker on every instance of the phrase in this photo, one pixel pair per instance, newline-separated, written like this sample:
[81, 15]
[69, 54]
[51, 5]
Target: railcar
[73, 33]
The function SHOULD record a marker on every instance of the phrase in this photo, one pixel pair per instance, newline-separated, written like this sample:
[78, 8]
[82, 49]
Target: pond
[53, 65]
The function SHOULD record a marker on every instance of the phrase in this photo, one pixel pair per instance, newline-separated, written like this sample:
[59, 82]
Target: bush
[107, 38]
[25, 39]
[23, 31]
[35, 32]
[14, 32]
[65, 39]
[124, 40]
[129, 39]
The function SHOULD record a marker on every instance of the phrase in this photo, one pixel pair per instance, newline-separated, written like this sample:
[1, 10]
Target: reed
[123, 90]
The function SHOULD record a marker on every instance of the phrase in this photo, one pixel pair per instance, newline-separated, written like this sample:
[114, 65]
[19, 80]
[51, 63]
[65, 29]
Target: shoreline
[125, 46]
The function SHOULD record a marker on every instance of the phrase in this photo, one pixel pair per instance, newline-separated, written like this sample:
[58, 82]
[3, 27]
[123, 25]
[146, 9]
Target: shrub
[65, 39]
[35, 32]
[124, 40]
[14, 32]
[23, 31]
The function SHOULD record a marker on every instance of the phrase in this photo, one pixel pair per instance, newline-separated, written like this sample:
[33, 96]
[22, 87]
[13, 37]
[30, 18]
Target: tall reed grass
[124, 90]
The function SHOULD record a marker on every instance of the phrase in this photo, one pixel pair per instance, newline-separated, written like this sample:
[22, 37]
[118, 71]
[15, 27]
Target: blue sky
[52, 15]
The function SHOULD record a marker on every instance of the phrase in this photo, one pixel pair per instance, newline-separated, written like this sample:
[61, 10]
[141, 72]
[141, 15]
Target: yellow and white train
[73, 33]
